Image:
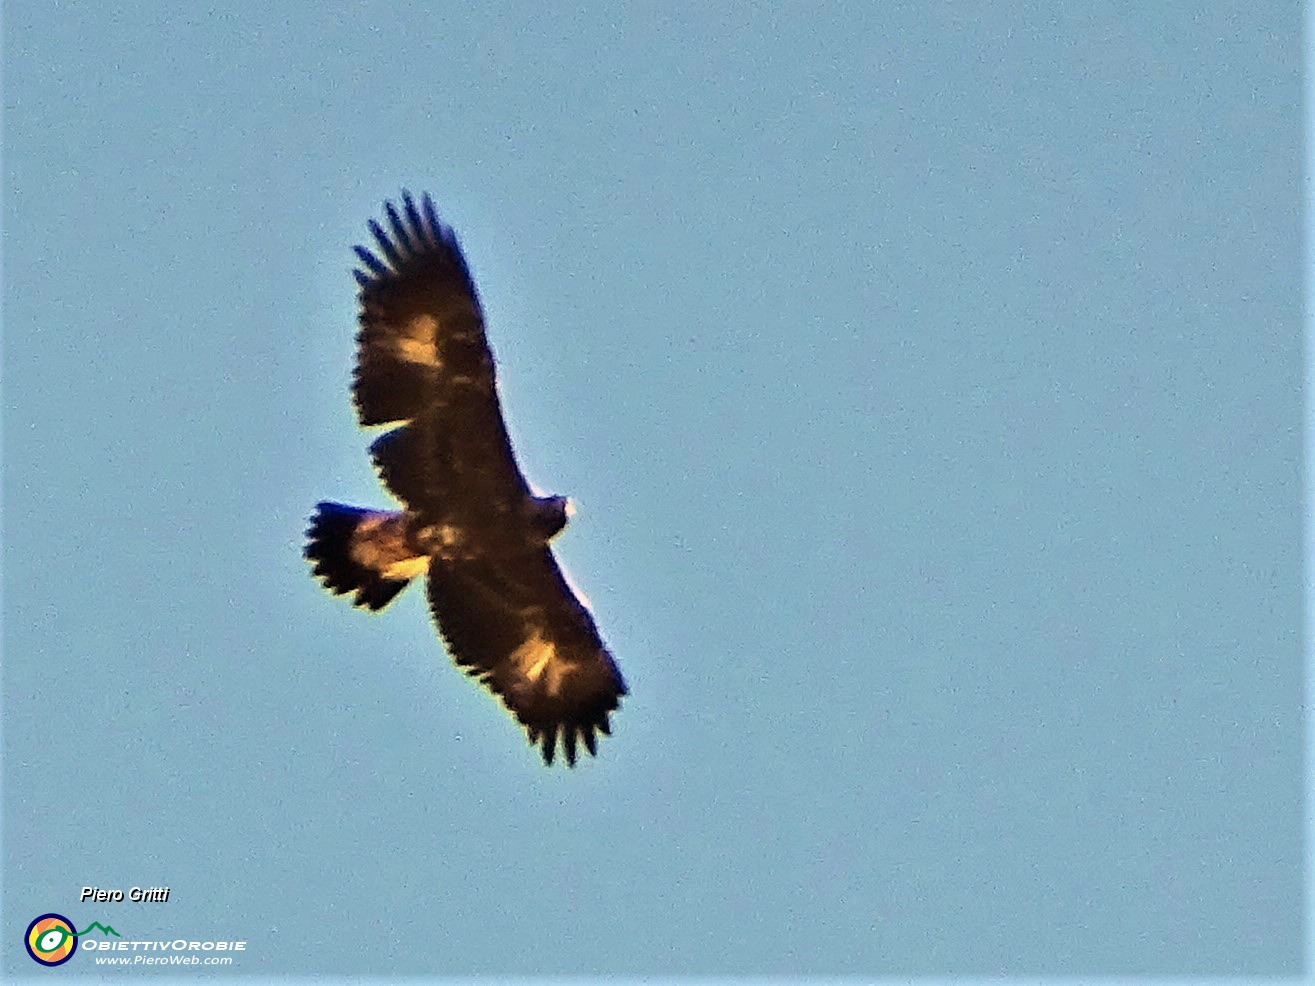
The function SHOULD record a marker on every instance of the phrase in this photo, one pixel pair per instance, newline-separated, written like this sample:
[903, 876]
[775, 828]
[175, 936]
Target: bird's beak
[570, 507]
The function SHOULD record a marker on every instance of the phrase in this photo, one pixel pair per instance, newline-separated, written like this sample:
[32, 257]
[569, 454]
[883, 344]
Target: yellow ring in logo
[50, 939]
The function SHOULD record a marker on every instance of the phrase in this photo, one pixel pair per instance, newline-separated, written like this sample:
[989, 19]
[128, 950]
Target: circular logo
[50, 939]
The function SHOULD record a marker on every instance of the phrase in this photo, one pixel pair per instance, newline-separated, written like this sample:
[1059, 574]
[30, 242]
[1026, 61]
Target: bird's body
[470, 522]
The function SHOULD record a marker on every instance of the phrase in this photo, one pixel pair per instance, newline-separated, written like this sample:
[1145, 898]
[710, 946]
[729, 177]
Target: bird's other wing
[517, 626]
[424, 363]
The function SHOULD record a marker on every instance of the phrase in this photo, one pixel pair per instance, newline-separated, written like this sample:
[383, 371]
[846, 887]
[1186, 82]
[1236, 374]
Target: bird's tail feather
[348, 549]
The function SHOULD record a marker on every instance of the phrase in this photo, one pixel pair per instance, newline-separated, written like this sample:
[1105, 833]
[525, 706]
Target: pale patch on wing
[538, 658]
[417, 345]
[379, 544]
[408, 568]
[443, 538]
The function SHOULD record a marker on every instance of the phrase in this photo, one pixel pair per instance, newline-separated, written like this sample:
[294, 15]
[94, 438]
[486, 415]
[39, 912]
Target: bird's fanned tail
[348, 549]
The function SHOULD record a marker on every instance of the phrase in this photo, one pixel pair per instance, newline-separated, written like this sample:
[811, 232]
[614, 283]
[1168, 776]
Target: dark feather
[371, 261]
[386, 245]
[413, 217]
[399, 231]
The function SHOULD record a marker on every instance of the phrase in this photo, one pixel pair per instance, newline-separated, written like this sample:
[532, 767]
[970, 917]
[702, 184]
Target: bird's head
[551, 514]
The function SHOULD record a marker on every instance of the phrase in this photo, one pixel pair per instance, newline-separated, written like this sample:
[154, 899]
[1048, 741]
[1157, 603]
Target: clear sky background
[928, 377]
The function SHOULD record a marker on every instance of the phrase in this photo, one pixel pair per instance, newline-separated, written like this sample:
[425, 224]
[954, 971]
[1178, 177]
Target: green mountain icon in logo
[105, 928]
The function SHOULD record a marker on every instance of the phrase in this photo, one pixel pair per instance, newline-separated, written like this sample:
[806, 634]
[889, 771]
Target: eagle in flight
[470, 522]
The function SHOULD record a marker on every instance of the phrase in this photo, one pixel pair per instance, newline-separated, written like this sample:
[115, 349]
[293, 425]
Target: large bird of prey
[471, 522]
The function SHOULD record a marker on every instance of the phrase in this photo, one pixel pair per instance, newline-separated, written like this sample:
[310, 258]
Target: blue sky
[928, 378]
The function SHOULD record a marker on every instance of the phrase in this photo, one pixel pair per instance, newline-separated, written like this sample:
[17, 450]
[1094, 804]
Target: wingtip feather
[417, 224]
[401, 236]
[386, 245]
[370, 260]
[431, 217]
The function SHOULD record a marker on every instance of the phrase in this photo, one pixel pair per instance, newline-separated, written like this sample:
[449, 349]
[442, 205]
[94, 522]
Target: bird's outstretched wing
[424, 364]
[517, 626]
